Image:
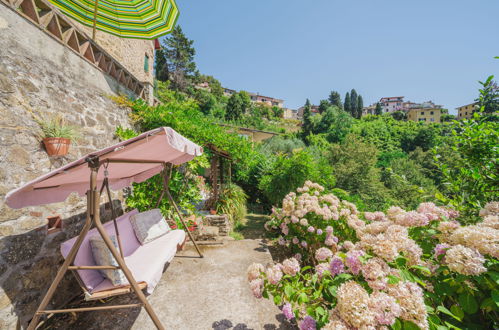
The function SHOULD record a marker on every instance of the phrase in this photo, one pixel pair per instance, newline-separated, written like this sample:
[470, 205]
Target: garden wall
[39, 78]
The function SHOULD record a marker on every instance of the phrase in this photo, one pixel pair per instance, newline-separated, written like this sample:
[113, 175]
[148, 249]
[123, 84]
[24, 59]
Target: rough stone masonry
[40, 78]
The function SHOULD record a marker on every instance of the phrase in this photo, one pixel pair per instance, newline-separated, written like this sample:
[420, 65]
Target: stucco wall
[40, 78]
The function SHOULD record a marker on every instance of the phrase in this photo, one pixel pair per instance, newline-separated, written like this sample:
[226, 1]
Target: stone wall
[40, 78]
[129, 52]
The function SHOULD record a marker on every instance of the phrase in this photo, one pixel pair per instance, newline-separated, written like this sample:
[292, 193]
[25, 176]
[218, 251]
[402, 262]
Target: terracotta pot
[213, 212]
[56, 146]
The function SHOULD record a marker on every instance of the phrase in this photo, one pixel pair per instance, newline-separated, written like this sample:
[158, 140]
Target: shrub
[354, 166]
[402, 269]
[471, 172]
[289, 172]
[232, 201]
[279, 144]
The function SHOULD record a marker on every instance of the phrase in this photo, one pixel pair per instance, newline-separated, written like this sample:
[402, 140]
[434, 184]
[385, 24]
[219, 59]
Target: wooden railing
[60, 28]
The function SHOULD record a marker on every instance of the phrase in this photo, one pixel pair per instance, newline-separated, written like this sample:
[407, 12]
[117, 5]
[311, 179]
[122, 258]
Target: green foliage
[125, 133]
[378, 110]
[323, 105]
[385, 158]
[335, 99]
[347, 105]
[354, 166]
[278, 144]
[56, 127]
[399, 115]
[360, 106]
[176, 60]
[334, 123]
[237, 105]
[287, 173]
[354, 103]
[471, 176]
[308, 126]
[407, 182]
[232, 201]
[445, 118]
[488, 100]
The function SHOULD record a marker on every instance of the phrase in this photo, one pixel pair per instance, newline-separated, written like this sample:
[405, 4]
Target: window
[422, 113]
[432, 119]
[146, 63]
[465, 113]
[431, 112]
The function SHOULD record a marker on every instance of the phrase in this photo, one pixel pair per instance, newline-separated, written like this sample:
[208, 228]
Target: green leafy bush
[471, 171]
[232, 201]
[289, 172]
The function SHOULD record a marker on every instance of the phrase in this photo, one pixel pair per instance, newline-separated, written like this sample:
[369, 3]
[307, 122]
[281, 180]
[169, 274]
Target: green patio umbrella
[138, 19]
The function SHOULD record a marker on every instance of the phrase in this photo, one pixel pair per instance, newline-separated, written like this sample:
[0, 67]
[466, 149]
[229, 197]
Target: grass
[251, 227]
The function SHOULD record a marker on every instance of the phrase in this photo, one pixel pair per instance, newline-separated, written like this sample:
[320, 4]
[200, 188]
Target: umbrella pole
[95, 19]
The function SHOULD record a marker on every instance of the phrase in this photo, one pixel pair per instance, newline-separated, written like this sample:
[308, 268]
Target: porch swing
[134, 160]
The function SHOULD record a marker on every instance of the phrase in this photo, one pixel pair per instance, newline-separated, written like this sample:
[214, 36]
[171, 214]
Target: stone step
[208, 233]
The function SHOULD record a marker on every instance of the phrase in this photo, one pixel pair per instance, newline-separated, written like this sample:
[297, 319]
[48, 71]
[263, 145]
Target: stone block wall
[40, 78]
[129, 52]
[220, 221]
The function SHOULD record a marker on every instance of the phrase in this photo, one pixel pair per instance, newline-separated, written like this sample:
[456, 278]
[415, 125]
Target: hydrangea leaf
[468, 303]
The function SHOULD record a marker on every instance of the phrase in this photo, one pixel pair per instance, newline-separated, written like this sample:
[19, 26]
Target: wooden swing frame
[93, 217]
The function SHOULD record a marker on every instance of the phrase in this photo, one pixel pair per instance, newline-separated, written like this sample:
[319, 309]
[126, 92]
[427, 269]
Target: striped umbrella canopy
[138, 19]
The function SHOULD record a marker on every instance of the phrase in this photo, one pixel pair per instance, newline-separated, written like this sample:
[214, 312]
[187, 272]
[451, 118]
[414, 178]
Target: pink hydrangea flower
[287, 310]
[274, 274]
[256, 287]
[295, 240]
[336, 266]
[353, 262]
[323, 254]
[284, 229]
[321, 268]
[319, 231]
[440, 249]
[304, 244]
[310, 229]
[329, 229]
[291, 266]
[308, 323]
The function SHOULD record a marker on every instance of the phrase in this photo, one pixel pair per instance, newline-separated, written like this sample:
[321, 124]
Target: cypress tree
[335, 99]
[353, 103]
[347, 104]
[307, 119]
[360, 106]
[378, 111]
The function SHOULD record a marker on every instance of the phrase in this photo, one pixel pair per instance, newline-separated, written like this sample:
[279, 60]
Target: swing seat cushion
[103, 256]
[149, 225]
[146, 262]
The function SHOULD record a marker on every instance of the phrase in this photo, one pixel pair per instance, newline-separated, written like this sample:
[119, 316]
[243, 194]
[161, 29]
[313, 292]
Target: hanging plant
[57, 136]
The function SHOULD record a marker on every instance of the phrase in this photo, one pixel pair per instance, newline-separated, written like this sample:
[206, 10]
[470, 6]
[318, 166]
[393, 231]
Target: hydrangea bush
[400, 269]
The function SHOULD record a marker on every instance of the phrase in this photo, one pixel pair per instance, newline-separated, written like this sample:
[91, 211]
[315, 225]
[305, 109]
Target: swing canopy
[133, 160]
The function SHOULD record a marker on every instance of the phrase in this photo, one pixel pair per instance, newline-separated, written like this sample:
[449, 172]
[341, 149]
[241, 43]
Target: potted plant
[57, 136]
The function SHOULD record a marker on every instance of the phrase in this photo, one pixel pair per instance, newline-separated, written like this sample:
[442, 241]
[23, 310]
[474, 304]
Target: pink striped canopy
[161, 145]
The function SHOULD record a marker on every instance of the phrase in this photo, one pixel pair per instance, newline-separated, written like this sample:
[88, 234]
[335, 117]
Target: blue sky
[290, 49]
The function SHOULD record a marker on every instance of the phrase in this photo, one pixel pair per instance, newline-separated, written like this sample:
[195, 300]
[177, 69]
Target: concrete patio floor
[195, 293]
